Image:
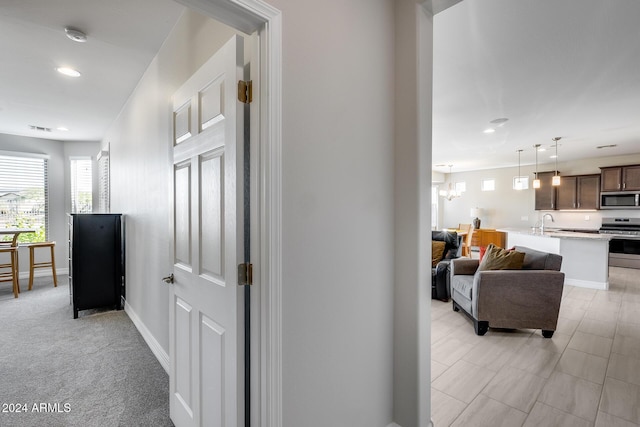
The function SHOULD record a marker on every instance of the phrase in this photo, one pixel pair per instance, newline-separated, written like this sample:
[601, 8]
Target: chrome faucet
[542, 222]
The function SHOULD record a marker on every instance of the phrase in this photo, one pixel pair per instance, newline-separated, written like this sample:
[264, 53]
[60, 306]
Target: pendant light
[519, 181]
[451, 193]
[556, 178]
[536, 181]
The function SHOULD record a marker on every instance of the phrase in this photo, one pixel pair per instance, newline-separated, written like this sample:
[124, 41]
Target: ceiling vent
[600, 147]
[39, 128]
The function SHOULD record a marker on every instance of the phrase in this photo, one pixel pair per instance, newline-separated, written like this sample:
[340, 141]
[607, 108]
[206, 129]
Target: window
[434, 207]
[461, 187]
[103, 181]
[81, 185]
[520, 182]
[24, 201]
[488, 184]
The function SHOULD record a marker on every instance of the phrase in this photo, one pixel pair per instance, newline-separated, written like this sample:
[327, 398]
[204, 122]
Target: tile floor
[588, 374]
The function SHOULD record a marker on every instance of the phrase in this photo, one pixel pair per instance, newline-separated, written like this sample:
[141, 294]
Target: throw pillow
[496, 258]
[437, 251]
[483, 250]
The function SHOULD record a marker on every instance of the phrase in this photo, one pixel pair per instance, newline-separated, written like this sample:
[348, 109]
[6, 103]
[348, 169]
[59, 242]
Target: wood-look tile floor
[588, 374]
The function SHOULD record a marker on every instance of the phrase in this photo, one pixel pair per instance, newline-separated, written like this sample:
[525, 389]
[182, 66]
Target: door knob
[168, 279]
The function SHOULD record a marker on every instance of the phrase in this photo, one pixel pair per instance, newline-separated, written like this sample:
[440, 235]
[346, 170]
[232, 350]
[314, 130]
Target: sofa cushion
[497, 258]
[437, 252]
[463, 284]
[452, 248]
[538, 260]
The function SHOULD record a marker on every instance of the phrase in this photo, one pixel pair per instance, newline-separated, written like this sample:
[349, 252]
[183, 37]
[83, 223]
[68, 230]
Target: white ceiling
[123, 36]
[568, 68]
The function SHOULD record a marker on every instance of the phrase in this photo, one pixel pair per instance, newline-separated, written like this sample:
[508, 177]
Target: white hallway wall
[338, 201]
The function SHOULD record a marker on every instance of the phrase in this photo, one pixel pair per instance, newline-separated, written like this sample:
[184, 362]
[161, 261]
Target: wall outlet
[524, 218]
[587, 217]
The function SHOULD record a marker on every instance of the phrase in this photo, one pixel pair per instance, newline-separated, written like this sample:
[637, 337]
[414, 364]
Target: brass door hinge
[245, 274]
[245, 91]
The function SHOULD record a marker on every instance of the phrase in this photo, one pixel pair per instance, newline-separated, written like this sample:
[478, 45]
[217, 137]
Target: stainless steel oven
[624, 247]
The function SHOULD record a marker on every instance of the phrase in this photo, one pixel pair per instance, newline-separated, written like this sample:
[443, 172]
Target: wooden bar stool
[51, 263]
[9, 271]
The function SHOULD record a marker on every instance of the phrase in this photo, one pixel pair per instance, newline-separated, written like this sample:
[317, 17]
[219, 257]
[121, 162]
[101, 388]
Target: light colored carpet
[92, 371]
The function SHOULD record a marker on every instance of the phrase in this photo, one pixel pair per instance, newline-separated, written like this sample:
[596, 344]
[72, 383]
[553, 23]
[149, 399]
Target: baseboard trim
[43, 272]
[153, 344]
[603, 286]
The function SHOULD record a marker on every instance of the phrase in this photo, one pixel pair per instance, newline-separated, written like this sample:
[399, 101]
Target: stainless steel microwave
[619, 200]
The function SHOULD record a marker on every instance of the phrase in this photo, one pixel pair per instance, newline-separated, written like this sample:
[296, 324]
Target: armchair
[527, 298]
[440, 287]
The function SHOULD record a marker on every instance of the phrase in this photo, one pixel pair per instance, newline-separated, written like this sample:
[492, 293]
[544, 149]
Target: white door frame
[249, 16]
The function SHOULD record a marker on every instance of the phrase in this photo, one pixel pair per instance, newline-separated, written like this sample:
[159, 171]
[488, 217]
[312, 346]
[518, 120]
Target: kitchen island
[585, 256]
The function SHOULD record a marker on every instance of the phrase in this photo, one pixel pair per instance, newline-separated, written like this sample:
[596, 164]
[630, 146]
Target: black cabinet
[96, 261]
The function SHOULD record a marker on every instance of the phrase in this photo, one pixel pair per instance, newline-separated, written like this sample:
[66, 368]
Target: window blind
[24, 198]
[81, 186]
[103, 182]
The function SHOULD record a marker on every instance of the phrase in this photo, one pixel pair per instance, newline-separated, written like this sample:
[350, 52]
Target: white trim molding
[154, 345]
[250, 16]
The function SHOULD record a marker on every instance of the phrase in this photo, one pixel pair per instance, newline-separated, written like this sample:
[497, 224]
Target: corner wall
[140, 164]
[338, 208]
[412, 149]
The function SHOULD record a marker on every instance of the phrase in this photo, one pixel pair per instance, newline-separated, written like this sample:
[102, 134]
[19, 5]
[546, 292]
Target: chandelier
[450, 193]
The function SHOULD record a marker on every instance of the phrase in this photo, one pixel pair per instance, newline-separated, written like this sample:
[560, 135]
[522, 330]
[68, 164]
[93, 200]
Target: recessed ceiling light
[490, 130]
[62, 129]
[75, 34]
[499, 121]
[68, 71]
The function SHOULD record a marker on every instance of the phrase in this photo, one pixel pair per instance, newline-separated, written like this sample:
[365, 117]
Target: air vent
[599, 147]
[39, 128]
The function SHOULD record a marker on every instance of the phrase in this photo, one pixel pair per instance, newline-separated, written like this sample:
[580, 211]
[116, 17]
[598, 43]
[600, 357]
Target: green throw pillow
[496, 258]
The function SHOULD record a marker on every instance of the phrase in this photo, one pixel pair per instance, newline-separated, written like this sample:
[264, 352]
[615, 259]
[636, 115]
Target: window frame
[25, 156]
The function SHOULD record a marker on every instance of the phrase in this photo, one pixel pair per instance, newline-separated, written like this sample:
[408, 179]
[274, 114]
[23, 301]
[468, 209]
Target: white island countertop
[585, 256]
[561, 234]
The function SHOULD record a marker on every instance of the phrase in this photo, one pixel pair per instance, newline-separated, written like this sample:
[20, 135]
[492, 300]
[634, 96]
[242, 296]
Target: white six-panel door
[206, 328]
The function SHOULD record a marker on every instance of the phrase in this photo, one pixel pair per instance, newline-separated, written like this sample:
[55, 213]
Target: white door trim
[250, 16]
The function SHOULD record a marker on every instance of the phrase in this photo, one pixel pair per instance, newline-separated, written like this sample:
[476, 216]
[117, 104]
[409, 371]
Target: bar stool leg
[16, 271]
[53, 267]
[31, 269]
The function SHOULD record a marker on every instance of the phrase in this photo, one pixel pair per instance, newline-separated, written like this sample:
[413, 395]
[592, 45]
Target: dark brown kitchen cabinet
[545, 195]
[566, 193]
[620, 178]
[588, 191]
[579, 192]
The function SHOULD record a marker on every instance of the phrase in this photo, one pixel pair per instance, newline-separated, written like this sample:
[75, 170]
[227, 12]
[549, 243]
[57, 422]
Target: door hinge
[245, 274]
[245, 91]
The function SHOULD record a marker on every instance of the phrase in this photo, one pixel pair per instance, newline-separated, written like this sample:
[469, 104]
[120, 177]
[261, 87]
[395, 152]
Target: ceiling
[123, 36]
[567, 68]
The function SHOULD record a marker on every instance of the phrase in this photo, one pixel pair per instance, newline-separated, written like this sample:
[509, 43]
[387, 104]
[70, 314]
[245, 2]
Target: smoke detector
[75, 34]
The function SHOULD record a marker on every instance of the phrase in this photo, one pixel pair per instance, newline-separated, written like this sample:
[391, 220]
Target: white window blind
[103, 182]
[81, 186]
[24, 201]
